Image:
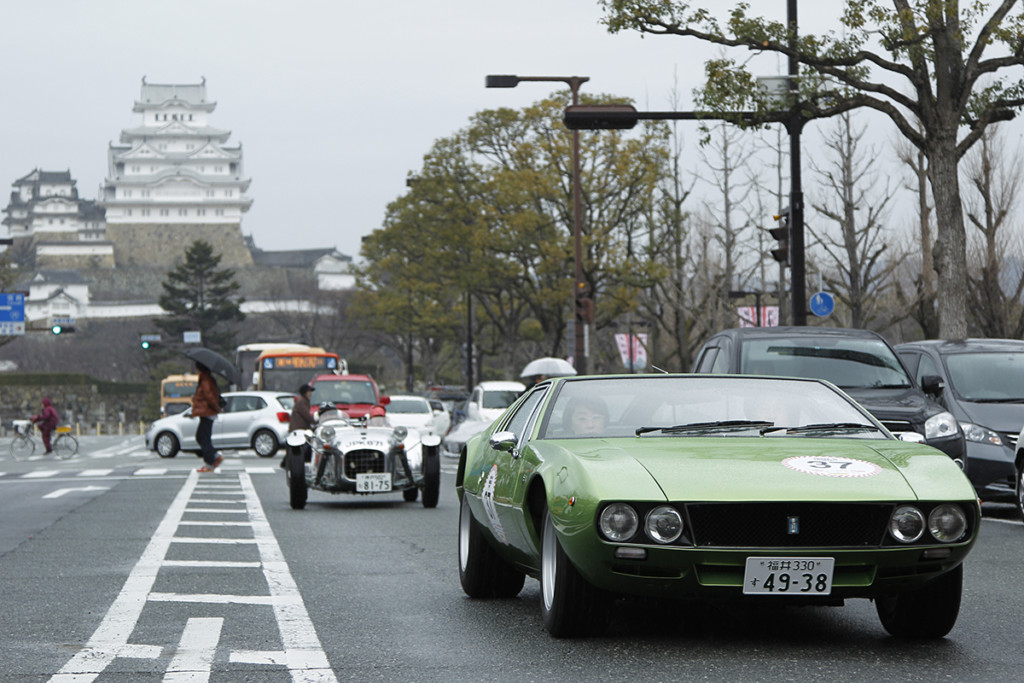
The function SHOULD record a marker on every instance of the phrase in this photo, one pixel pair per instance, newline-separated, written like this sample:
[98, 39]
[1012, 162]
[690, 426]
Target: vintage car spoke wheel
[297, 489]
[431, 477]
[166, 445]
[1020, 488]
[410, 495]
[569, 605]
[482, 572]
[928, 612]
[264, 442]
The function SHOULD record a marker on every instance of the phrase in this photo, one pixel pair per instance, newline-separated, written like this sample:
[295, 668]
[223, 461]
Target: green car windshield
[667, 406]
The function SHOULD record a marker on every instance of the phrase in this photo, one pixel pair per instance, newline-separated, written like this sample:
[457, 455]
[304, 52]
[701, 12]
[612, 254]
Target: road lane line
[120, 620]
[217, 510]
[227, 541]
[305, 657]
[195, 652]
[210, 563]
[94, 473]
[150, 471]
[40, 474]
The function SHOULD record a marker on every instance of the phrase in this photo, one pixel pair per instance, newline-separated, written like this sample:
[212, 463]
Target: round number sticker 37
[832, 466]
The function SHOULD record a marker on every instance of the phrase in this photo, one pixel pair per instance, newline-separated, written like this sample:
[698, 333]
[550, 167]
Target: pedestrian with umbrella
[538, 370]
[206, 404]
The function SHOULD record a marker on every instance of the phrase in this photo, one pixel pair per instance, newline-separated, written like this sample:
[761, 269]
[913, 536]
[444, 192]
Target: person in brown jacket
[302, 415]
[205, 406]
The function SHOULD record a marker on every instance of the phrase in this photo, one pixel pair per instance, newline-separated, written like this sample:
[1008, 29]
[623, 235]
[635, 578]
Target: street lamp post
[574, 82]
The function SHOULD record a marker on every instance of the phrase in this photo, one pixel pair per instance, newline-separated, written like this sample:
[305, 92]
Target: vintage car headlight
[619, 522]
[947, 523]
[664, 524]
[940, 426]
[906, 524]
[327, 433]
[980, 434]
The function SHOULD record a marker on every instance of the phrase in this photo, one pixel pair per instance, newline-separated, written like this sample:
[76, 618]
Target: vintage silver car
[357, 456]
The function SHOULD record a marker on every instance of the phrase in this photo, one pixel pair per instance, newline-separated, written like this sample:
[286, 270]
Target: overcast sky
[333, 101]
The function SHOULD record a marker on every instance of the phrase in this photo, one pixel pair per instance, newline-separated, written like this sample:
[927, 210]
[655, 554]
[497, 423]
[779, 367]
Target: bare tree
[855, 239]
[994, 292]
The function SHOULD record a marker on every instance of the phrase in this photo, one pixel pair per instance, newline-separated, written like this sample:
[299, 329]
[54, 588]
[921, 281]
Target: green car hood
[770, 468]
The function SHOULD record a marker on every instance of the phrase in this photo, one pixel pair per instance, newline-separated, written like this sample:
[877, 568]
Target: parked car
[355, 394]
[490, 399]
[980, 381]
[416, 412]
[448, 394]
[745, 488]
[353, 456]
[859, 362]
[454, 441]
[250, 419]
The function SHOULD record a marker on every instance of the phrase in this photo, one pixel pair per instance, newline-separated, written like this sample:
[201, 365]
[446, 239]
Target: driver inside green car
[586, 417]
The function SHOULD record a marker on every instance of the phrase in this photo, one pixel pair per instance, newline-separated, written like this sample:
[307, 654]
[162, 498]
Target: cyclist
[47, 422]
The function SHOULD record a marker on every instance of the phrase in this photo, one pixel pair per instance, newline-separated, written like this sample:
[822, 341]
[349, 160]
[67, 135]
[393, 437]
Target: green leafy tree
[200, 296]
[942, 64]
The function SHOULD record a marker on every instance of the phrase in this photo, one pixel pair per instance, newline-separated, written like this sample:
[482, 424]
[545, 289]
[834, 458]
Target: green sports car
[710, 486]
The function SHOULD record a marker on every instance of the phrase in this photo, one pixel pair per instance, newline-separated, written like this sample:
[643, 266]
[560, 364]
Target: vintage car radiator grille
[793, 525]
[364, 462]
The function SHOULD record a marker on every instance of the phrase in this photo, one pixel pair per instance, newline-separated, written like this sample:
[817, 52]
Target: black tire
[431, 477]
[410, 495]
[569, 605]
[265, 443]
[297, 489]
[1020, 488]
[928, 612]
[65, 446]
[482, 572]
[166, 445]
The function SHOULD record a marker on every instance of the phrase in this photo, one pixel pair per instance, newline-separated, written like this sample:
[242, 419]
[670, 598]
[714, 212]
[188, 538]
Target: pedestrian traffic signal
[145, 345]
[781, 234]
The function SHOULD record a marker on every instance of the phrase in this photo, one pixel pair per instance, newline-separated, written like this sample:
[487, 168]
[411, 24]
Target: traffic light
[585, 309]
[145, 345]
[781, 234]
[62, 329]
[146, 341]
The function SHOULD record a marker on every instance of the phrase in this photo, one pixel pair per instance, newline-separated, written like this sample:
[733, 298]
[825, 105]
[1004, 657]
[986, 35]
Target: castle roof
[294, 258]
[191, 95]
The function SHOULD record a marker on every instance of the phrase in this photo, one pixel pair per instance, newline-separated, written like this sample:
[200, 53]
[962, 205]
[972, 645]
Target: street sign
[822, 304]
[192, 337]
[155, 338]
[12, 314]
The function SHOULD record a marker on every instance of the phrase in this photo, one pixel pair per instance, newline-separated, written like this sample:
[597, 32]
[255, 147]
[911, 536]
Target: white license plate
[788, 576]
[373, 482]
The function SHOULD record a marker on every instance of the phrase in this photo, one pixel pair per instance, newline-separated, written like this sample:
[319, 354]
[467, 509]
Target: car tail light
[283, 417]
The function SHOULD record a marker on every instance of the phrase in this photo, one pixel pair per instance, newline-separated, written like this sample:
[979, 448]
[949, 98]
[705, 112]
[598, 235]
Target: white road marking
[60, 492]
[150, 471]
[301, 653]
[40, 474]
[94, 473]
[195, 651]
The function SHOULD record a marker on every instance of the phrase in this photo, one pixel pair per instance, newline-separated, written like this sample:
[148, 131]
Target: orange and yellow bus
[176, 393]
[247, 359]
[278, 370]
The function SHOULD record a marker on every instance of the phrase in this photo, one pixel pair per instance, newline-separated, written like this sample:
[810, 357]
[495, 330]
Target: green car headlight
[664, 524]
[906, 524]
[619, 522]
[947, 523]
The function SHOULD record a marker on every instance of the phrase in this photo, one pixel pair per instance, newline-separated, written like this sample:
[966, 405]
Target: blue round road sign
[822, 304]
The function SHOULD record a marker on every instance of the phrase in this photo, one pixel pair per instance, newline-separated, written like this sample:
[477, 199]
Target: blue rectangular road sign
[12, 308]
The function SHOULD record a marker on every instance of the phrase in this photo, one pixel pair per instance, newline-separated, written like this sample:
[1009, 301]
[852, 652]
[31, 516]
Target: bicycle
[23, 445]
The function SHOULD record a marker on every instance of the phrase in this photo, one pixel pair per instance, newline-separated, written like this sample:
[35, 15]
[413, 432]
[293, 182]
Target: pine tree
[200, 297]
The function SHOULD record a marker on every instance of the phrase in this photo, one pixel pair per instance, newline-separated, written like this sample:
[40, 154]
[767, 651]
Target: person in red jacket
[47, 422]
[205, 406]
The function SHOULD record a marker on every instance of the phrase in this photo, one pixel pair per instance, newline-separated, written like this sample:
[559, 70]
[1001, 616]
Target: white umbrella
[549, 367]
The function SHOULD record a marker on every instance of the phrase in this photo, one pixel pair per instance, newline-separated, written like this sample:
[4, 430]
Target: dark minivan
[859, 362]
[980, 381]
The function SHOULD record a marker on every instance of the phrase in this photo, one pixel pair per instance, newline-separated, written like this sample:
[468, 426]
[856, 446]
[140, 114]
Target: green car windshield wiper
[722, 425]
[824, 427]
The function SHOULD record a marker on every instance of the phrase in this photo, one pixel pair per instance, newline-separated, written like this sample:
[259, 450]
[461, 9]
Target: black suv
[859, 362]
[980, 381]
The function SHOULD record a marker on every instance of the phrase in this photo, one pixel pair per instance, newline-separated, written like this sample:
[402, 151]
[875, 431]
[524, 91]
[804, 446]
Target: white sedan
[416, 412]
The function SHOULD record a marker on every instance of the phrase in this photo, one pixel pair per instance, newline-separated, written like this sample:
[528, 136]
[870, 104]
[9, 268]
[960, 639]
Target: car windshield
[410, 406]
[499, 399]
[847, 363]
[343, 391]
[987, 377]
[677, 406]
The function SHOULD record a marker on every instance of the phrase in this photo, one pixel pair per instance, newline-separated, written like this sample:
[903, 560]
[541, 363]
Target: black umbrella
[217, 363]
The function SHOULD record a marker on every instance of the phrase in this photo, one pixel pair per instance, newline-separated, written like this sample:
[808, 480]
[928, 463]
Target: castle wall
[164, 245]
